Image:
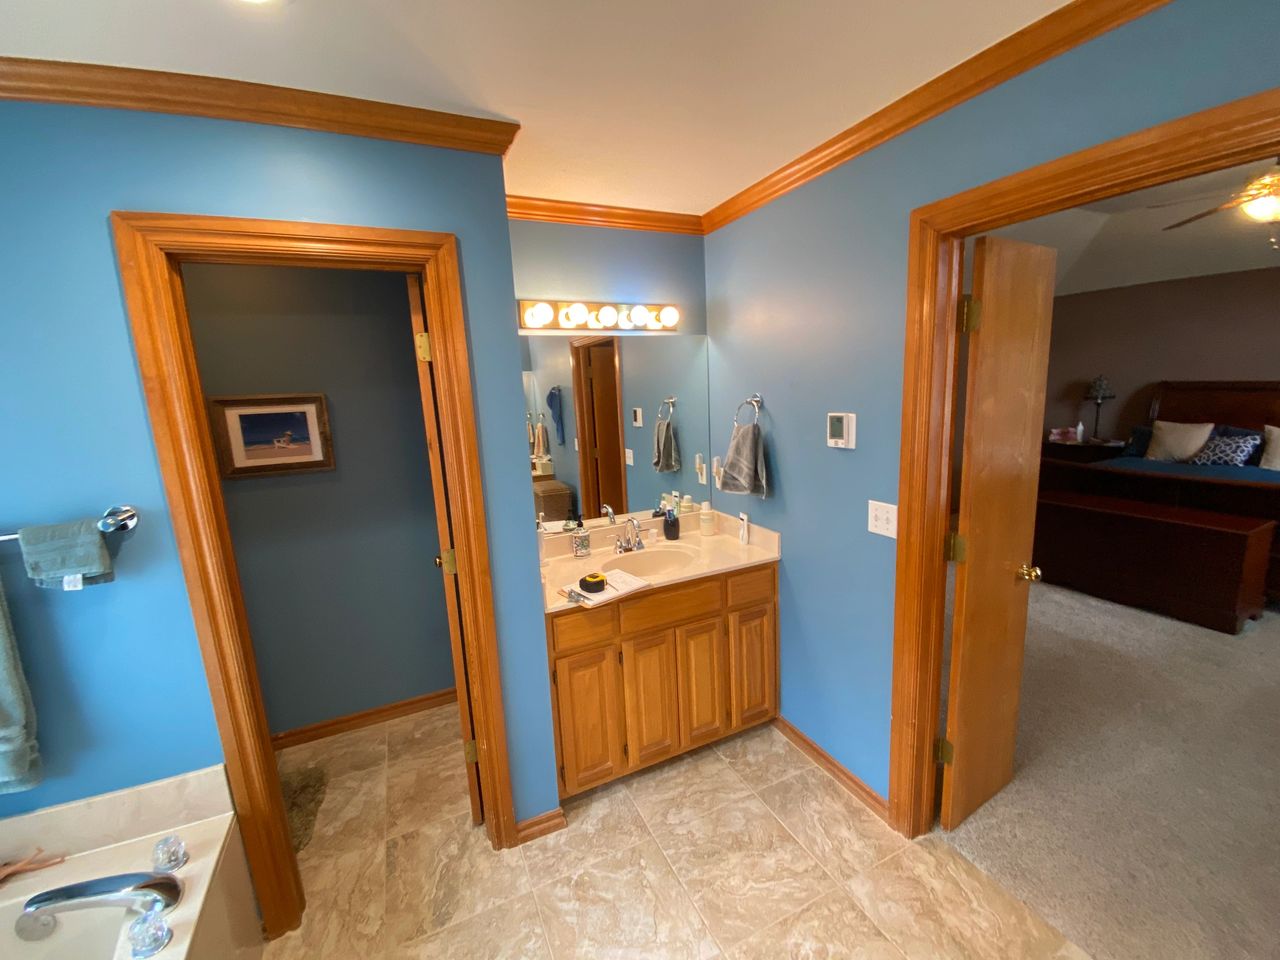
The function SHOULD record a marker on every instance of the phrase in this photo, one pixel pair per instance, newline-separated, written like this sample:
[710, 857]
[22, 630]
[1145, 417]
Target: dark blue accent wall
[345, 604]
[806, 304]
[105, 662]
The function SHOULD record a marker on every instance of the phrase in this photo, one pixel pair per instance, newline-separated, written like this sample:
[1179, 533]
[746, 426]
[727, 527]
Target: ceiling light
[1263, 204]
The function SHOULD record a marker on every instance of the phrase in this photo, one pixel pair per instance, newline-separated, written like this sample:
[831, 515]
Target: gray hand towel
[19, 756]
[743, 469]
[65, 549]
[666, 451]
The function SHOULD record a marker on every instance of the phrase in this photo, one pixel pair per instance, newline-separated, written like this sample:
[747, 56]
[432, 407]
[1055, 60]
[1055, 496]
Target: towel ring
[669, 405]
[755, 402]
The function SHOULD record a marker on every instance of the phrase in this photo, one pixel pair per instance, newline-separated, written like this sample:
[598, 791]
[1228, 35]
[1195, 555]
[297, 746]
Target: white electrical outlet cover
[882, 518]
[637, 417]
[631, 458]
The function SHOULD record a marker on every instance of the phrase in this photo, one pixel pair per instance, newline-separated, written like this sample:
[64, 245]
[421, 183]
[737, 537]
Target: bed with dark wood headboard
[1240, 491]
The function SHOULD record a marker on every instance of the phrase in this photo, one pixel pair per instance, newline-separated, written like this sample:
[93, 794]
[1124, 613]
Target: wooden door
[650, 697]
[444, 526]
[591, 722]
[702, 676]
[597, 399]
[1004, 414]
[753, 665]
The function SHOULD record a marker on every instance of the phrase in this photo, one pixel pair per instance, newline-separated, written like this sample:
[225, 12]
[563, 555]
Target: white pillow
[1271, 449]
[1178, 441]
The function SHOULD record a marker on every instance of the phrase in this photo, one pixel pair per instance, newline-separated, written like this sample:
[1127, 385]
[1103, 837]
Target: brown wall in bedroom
[1221, 327]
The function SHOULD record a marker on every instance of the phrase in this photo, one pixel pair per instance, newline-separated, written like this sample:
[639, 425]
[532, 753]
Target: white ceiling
[1122, 241]
[665, 104]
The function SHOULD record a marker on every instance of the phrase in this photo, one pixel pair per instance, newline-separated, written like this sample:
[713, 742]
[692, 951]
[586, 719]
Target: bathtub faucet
[139, 892]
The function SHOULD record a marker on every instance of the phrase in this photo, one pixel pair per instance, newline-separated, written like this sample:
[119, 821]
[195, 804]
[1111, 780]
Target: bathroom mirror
[592, 402]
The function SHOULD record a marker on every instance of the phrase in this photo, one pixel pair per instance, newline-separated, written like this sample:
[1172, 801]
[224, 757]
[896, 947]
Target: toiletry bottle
[661, 508]
[687, 505]
[671, 525]
[707, 520]
[581, 541]
[569, 525]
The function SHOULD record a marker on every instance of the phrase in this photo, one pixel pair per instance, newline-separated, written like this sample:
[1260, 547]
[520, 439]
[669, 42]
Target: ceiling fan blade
[1200, 196]
[1230, 204]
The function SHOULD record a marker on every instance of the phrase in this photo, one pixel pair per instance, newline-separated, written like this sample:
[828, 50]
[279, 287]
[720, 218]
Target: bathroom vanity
[688, 660]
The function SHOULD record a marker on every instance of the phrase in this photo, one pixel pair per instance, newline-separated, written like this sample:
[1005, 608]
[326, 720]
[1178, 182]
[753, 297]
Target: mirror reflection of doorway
[597, 393]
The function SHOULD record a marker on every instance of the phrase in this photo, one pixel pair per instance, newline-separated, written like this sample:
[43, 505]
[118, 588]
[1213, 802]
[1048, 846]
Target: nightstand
[1080, 452]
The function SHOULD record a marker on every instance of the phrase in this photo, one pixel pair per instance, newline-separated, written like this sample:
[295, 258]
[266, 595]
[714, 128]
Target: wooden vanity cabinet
[668, 670]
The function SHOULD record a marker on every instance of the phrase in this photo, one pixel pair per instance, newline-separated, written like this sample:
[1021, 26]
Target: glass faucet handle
[169, 853]
[149, 934]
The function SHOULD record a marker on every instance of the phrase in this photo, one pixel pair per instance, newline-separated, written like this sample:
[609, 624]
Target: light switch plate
[631, 458]
[882, 518]
[637, 417]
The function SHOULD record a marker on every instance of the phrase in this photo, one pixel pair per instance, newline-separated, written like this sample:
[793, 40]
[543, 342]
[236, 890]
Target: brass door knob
[1028, 572]
[439, 561]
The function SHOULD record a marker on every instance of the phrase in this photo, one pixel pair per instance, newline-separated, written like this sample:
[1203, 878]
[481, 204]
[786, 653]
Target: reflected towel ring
[755, 401]
[669, 405]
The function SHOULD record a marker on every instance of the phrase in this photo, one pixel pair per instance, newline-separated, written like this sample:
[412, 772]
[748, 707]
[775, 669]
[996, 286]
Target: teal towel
[64, 549]
[19, 756]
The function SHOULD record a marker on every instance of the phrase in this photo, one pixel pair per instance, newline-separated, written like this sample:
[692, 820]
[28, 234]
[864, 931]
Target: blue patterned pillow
[1227, 451]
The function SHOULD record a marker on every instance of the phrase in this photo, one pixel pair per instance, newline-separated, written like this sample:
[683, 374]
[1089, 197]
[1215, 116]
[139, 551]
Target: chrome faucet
[632, 539]
[142, 893]
[607, 511]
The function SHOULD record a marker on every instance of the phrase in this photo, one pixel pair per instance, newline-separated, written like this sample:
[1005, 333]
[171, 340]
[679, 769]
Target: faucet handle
[149, 933]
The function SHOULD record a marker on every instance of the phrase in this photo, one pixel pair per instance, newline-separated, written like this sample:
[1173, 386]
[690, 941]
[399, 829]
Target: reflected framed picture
[272, 433]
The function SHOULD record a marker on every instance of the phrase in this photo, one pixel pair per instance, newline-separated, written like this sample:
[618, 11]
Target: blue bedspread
[1142, 465]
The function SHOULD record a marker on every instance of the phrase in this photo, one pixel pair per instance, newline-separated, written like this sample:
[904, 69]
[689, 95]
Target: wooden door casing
[702, 673]
[588, 690]
[753, 665]
[650, 698]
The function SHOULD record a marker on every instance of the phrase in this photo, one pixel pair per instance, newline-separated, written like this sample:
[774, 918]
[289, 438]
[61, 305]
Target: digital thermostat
[842, 430]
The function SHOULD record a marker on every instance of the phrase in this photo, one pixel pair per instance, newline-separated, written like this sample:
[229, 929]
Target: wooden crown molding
[599, 215]
[127, 88]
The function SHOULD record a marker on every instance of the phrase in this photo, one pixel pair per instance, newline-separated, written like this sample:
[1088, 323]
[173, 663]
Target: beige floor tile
[935, 905]
[427, 788]
[685, 788]
[511, 931]
[829, 928]
[420, 733]
[763, 756]
[742, 868]
[444, 872]
[628, 906]
[344, 915]
[599, 823]
[352, 816]
[833, 825]
[339, 755]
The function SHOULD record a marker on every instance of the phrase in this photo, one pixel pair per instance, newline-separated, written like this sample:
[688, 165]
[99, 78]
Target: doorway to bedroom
[1110, 671]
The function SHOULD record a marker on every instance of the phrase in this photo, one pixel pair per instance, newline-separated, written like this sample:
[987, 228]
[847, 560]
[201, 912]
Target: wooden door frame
[151, 249]
[1234, 133]
[577, 349]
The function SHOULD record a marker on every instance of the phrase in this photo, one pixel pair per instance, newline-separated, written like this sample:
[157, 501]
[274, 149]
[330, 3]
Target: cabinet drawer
[751, 586]
[672, 605]
[572, 631]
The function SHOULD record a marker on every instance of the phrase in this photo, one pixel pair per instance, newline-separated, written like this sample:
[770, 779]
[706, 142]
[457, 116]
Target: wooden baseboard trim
[878, 805]
[540, 826]
[365, 718]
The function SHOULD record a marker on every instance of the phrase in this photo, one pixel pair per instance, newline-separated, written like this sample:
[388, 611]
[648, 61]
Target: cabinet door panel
[649, 693]
[703, 680]
[753, 665]
[587, 692]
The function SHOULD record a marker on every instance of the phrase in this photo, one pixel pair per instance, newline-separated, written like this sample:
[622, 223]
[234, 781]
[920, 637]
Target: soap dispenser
[671, 525]
[581, 541]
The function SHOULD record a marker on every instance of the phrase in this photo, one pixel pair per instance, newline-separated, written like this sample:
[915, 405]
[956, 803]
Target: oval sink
[651, 561]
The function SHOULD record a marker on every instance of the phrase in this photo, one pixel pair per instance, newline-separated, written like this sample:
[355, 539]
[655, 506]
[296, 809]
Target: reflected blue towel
[60, 550]
[19, 756]
[555, 403]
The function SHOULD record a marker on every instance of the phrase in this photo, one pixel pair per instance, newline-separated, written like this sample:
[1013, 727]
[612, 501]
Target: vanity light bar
[565, 316]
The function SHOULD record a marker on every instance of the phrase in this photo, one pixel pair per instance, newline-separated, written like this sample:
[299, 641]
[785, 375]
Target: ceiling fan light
[1264, 209]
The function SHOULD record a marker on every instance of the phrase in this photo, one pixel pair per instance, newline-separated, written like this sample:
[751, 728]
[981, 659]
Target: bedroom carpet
[1143, 819]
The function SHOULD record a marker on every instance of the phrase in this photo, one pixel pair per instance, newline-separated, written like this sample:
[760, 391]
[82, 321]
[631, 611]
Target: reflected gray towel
[743, 469]
[666, 451]
[541, 441]
[60, 550]
[19, 756]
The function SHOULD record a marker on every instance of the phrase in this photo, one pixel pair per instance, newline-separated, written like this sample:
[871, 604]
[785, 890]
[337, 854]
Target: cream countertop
[718, 553]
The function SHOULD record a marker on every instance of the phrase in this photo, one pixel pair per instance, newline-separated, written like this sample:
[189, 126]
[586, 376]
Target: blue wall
[101, 662]
[345, 604]
[806, 304]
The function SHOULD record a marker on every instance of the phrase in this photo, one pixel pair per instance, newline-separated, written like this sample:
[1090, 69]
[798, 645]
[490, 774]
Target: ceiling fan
[1260, 200]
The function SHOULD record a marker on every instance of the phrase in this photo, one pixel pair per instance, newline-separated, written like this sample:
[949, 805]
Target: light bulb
[593, 320]
[578, 313]
[1264, 209]
[539, 315]
[565, 320]
[641, 316]
[624, 319]
[669, 316]
[608, 316]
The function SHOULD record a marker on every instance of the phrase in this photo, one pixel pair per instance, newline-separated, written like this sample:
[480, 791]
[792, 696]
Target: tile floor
[745, 850]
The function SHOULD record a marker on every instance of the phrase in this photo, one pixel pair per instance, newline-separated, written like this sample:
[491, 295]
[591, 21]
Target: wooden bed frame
[1252, 404]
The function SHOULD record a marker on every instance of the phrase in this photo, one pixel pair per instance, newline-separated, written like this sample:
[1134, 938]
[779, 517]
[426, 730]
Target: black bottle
[671, 526]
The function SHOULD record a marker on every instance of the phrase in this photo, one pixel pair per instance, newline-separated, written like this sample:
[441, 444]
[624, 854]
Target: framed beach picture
[275, 433]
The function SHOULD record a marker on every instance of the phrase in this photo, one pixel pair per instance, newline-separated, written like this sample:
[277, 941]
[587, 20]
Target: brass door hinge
[969, 313]
[554, 678]
[619, 656]
[562, 773]
[956, 547]
[943, 751]
[469, 751]
[449, 562]
[422, 343]
[626, 752]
